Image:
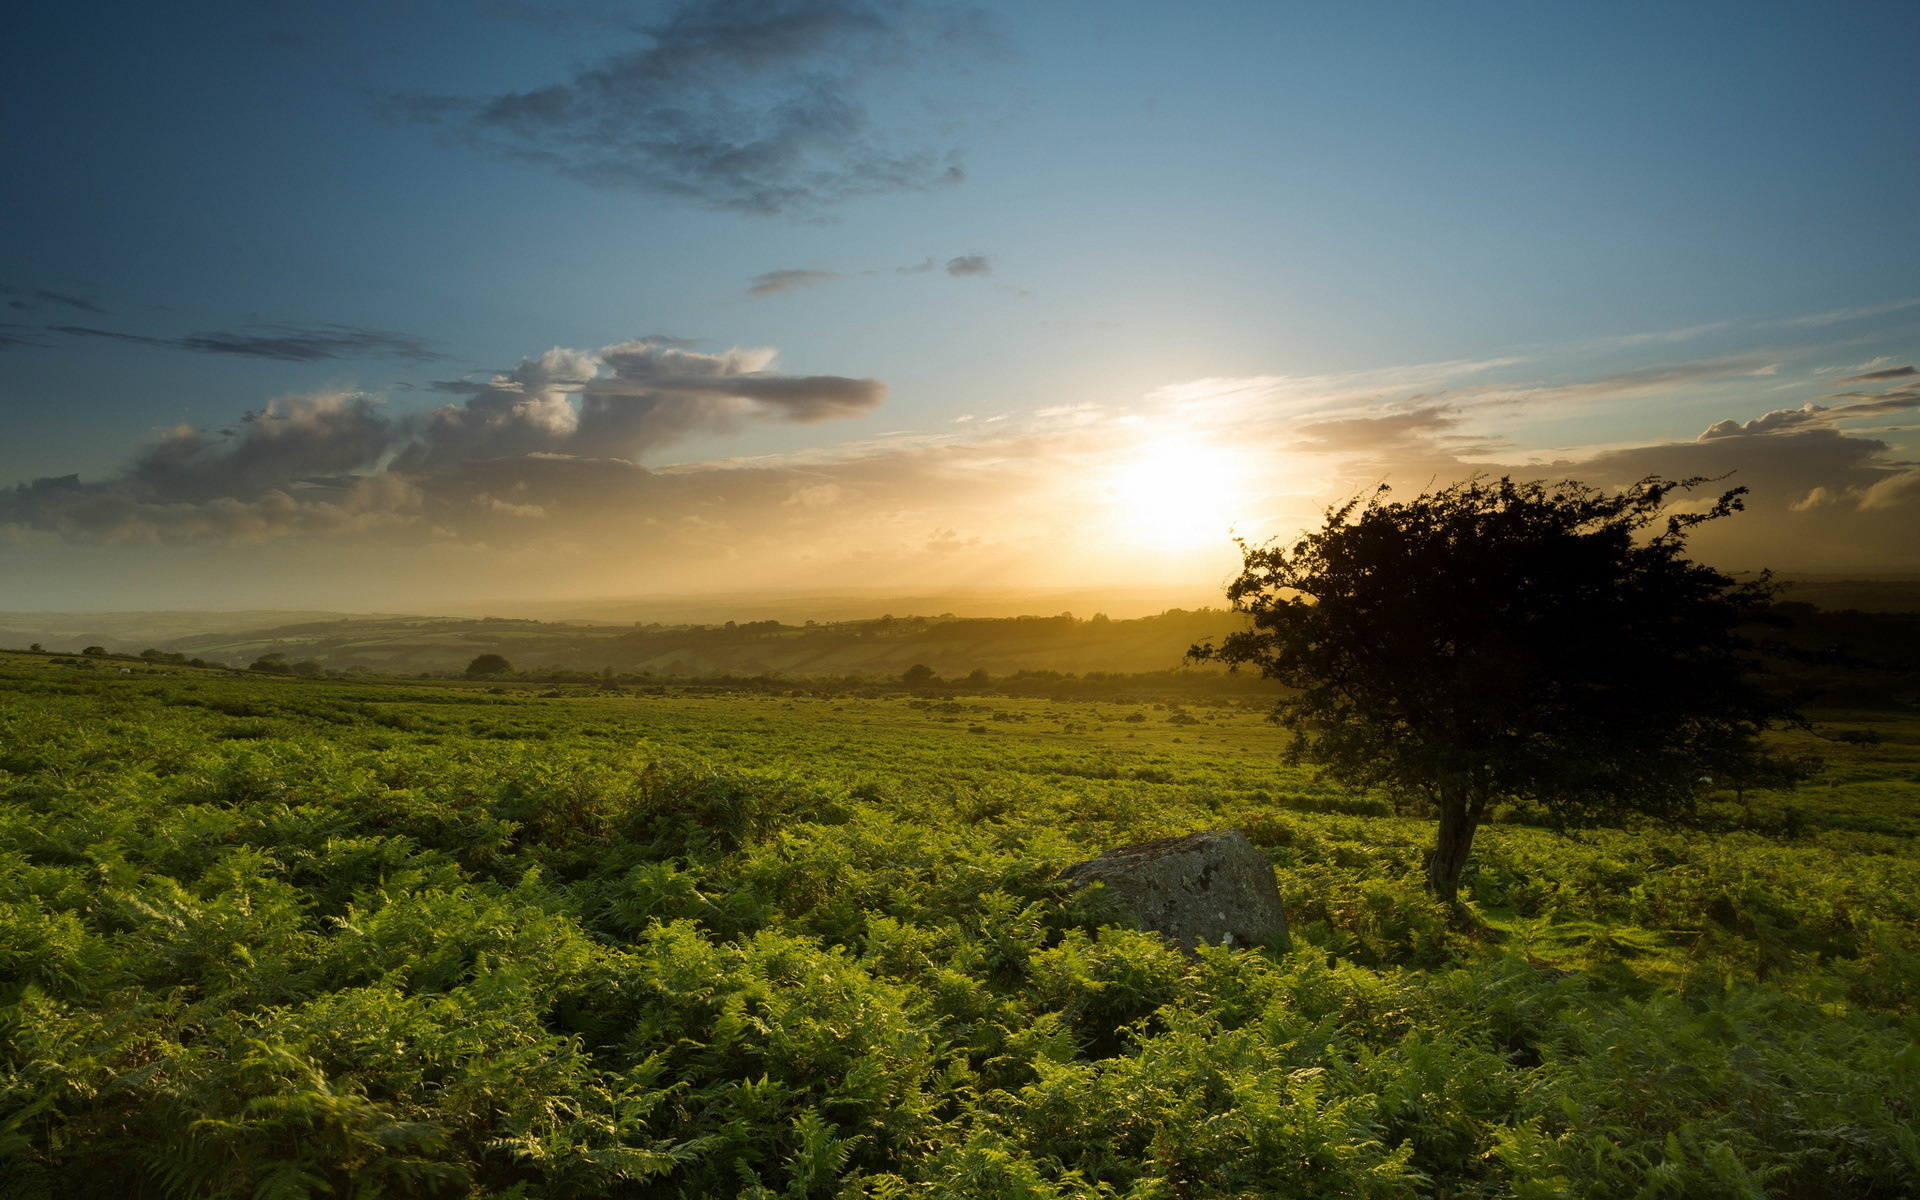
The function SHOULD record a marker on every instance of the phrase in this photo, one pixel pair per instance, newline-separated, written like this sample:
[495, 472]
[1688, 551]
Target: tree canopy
[488, 664]
[1487, 641]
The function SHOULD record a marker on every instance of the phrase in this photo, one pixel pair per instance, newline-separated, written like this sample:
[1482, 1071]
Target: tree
[488, 664]
[918, 674]
[271, 664]
[1509, 640]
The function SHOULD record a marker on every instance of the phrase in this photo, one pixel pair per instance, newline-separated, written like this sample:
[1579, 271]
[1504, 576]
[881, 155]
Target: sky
[392, 305]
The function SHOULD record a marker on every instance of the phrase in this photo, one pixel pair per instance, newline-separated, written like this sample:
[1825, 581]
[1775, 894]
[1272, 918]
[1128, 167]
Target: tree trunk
[1458, 820]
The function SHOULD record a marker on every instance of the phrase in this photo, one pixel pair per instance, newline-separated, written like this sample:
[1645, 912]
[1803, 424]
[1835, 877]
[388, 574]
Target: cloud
[632, 398]
[8, 338]
[1901, 491]
[1818, 498]
[74, 511]
[1815, 416]
[774, 283]
[1821, 497]
[1660, 336]
[1649, 380]
[336, 461]
[1882, 404]
[1384, 433]
[282, 342]
[1877, 376]
[1773, 422]
[291, 441]
[41, 294]
[1838, 315]
[530, 479]
[758, 106]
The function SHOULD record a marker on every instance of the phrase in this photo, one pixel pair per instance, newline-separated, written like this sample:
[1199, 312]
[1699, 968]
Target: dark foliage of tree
[1509, 640]
[488, 664]
[918, 673]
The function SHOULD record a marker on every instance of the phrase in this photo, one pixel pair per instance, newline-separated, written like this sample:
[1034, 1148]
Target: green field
[286, 937]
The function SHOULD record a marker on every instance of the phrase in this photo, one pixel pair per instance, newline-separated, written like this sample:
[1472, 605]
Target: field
[268, 936]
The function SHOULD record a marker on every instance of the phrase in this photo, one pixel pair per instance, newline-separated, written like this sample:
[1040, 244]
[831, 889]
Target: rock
[1205, 887]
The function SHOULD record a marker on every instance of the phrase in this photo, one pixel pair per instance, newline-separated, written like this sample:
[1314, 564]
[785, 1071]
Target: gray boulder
[1206, 887]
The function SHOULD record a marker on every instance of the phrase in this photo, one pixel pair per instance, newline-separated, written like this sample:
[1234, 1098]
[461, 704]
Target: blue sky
[1096, 283]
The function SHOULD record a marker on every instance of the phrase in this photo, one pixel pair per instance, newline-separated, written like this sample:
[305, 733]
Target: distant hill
[885, 646]
[121, 630]
[1866, 595]
[850, 604]
[1883, 631]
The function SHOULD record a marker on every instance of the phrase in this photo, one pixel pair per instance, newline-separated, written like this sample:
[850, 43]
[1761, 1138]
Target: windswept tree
[1490, 641]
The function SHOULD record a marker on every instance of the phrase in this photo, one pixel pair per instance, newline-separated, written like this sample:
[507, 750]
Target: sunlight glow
[1179, 494]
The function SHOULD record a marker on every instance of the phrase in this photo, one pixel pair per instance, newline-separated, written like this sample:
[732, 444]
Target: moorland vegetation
[272, 935]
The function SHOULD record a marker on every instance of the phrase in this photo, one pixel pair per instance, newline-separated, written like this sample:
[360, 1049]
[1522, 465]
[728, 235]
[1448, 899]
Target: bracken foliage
[267, 937]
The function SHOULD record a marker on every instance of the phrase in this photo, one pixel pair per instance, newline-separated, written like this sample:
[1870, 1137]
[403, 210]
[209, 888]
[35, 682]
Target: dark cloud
[47, 297]
[1877, 376]
[1883, 404]
[10, 338]
[1819, 497]
[113, 512]
[1378, 433]
[281, 342]
[774, 283]
[1780, 468]
[1774, 422]
[1816, 496]
[1815, 416]
[336, 462]
[87, 331]
[288, 442]
[652, 393]
[311, 345]
[801, 399]
[1662, 377]
[747, 105]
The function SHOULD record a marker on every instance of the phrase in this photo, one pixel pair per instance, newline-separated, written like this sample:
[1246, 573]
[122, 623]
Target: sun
[1178, 494]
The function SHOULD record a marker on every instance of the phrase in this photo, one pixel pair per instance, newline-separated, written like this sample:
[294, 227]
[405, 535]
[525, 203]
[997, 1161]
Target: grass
[285, 937]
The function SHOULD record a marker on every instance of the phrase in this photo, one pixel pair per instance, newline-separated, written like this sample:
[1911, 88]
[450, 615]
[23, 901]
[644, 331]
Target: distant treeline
[1823, 657]
[883, 647]
[1094, 685]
